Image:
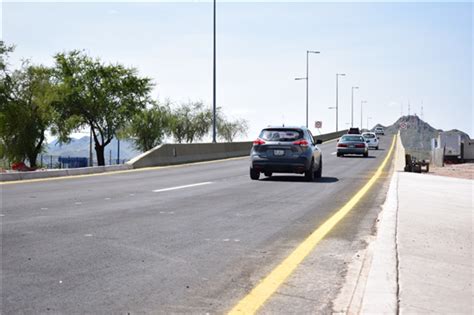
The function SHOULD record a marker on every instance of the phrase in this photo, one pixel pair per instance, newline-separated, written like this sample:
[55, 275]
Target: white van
[379, 131]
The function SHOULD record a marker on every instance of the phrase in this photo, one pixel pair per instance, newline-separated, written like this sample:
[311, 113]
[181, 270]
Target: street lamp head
[312, 52]
[341, 74]
[300, 78]
[355, 87]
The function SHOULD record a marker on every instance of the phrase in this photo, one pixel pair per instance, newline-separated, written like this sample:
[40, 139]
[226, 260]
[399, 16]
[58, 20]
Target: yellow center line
[260, 294]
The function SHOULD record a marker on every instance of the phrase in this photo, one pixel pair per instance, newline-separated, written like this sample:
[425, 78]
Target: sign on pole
[318, 124]
[403, 125]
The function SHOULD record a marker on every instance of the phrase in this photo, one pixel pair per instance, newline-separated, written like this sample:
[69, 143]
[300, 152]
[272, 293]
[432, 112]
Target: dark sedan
[286, 150]
[352, 144]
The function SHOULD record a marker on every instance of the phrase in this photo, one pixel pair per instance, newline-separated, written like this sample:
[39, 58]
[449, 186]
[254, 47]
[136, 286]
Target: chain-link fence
[49, 161]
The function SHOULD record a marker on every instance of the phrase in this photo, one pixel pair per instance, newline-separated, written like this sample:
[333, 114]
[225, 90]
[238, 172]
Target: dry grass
[465, 170]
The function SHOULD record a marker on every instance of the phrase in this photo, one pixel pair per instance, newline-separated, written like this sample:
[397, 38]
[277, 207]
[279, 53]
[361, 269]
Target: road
[147, 242]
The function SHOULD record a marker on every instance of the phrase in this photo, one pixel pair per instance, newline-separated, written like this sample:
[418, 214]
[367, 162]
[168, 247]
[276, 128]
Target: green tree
[26, 111]
[149, 126]
[102, 96]
[190, 122]
[229, 130]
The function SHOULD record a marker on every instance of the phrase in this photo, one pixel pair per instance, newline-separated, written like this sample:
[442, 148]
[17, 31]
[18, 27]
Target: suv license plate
[279, 152]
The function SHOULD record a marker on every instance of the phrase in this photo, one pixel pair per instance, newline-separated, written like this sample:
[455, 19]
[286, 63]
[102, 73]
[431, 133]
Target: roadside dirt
[465, 170]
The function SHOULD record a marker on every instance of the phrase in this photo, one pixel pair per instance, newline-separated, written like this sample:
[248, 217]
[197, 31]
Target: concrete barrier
[14, 176]
[165, 154]
[169, 154]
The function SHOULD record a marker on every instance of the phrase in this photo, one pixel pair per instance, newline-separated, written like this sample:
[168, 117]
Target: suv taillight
[258, 142]
[342, 145]
[302, 143]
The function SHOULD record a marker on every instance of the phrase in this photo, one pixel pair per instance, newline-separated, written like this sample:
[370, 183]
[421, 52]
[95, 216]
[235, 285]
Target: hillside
[417, 135]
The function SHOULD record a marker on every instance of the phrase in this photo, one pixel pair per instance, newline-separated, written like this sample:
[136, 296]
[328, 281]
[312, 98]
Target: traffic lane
[131, 234]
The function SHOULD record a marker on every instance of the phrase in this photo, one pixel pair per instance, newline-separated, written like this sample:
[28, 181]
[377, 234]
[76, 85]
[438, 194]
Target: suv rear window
[352, 138]
[281, 134]
[354, 131]
[368, 135]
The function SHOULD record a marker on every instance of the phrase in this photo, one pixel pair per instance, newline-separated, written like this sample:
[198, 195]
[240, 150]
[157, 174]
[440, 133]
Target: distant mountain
[80, 148]
[416, 135]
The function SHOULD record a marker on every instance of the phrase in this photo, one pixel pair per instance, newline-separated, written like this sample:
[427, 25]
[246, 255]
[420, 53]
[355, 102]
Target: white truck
[451, 144]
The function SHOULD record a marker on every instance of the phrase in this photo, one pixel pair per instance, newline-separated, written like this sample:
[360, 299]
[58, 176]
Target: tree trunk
[32, 156]
[32, 159]
[100, 155]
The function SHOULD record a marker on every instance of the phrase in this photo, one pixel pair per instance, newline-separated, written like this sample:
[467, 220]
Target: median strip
[181, 187]
[265, 289]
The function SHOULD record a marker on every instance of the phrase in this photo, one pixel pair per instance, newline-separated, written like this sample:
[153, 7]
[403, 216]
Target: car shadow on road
[283, 178]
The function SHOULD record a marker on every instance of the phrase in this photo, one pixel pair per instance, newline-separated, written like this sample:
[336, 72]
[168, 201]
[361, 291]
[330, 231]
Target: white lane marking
[131, 195]
[226, 240]
[78, 203]
[334, 153]
[87, 235]
[2, 215]
[107, 198]
[44, 208]
[181, 187]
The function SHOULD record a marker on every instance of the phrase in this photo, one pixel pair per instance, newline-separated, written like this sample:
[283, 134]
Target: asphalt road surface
[187, 239]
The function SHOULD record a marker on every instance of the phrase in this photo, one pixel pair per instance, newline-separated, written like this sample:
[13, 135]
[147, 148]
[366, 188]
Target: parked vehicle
[352, 144]
[371, 139]
[379, 131]
[452, 146]
[354, 131]
[286, 150]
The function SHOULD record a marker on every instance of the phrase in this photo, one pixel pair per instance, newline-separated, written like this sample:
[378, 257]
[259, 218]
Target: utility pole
[307, 81]
[352, 104]
[361, 110]
[337, 98]
[214, 128]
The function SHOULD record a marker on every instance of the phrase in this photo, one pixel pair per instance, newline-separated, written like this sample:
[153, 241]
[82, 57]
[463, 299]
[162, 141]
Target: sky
[396, 53]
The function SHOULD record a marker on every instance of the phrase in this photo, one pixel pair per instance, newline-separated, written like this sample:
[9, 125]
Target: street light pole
[337, 98]
[352, 105]
[214, 82]
[368, 118]
[307, 81]
[361, 110]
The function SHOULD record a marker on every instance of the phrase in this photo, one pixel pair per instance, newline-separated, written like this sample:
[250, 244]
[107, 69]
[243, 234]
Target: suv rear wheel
[319, 172]
[254, 174]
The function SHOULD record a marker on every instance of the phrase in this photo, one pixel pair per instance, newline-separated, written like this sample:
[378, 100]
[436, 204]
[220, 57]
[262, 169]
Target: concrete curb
[17, 176]
[381, 290]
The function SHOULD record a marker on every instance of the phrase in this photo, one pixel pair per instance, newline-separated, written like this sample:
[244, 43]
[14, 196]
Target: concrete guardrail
[165, 154]
[169, 154]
